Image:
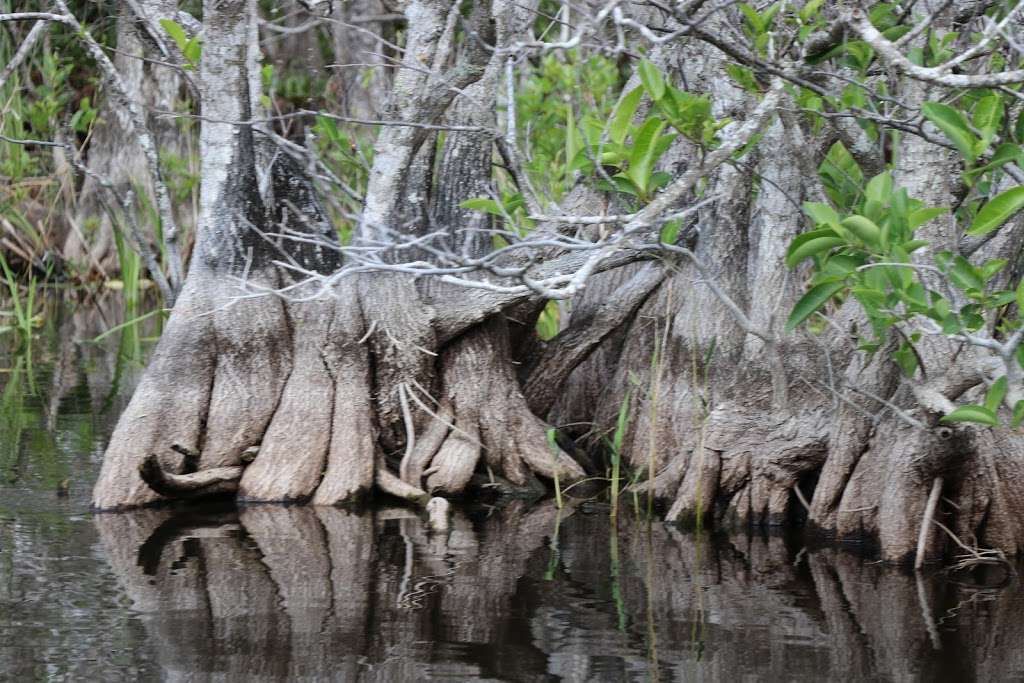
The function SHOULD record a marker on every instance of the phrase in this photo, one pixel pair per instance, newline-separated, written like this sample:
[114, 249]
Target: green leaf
[863, 228]
[621, 183]
[482, 204]
[619, 128]
[990, 268]
[869, 298]
[1002, 299]
[965, 275]
[1018, 413]
[996, 394]
[906, 359]
[193, 50]
[879, 188]
[754, 19]
[842, 177]
[913, 245]
[670, 232]
[977, 414]
[1020, 298]
[814, 246]
[692, 112]
[662, 144]
[176, 32]
[841, 266]
[643, 155]
[810, 302]
[769, 15]
[822, 214]
[743, 76]
[988, 115]
[997, 211]
[573, 141]
[953, 124]
[922, 216]
[808, 236]
[810, 9]
[1004, 154]
[654, 82]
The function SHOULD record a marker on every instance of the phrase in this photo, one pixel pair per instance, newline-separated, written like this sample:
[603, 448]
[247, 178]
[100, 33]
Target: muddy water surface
[518, 593]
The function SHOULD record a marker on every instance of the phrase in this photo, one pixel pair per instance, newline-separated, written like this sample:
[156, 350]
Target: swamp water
[519, 593]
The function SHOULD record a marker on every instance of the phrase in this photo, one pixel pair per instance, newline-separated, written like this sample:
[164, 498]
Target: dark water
[518, 593]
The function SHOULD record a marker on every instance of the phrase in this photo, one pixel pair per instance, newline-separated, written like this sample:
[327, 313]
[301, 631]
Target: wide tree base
[322, 402]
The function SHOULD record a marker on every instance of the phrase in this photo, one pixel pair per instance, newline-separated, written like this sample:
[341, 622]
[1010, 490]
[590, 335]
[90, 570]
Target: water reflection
[300, 593]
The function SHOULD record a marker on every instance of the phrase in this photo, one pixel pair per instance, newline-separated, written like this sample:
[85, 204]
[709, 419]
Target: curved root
[208, 482]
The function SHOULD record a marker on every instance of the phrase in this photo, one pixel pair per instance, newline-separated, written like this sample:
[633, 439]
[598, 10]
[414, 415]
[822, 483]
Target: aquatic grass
[616, 579]
[23, 308]
[616, 451]
[553, 445]
[556, 552]
[128, 323]
[131, 272]
[654, 399]
[13, 419]
[651, 636]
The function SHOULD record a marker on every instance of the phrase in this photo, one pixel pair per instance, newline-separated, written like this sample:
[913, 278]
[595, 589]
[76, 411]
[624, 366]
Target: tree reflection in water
[272, 592]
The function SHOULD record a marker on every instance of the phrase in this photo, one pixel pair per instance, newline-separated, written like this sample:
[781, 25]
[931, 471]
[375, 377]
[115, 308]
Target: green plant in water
[556, 553]
[131, 272]
[616, 451]
[613, 561]
[23, 315]
[553, 447]
[13, 418]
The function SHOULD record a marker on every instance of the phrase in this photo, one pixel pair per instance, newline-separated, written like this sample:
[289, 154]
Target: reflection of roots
[422, 589]
[231, 591]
